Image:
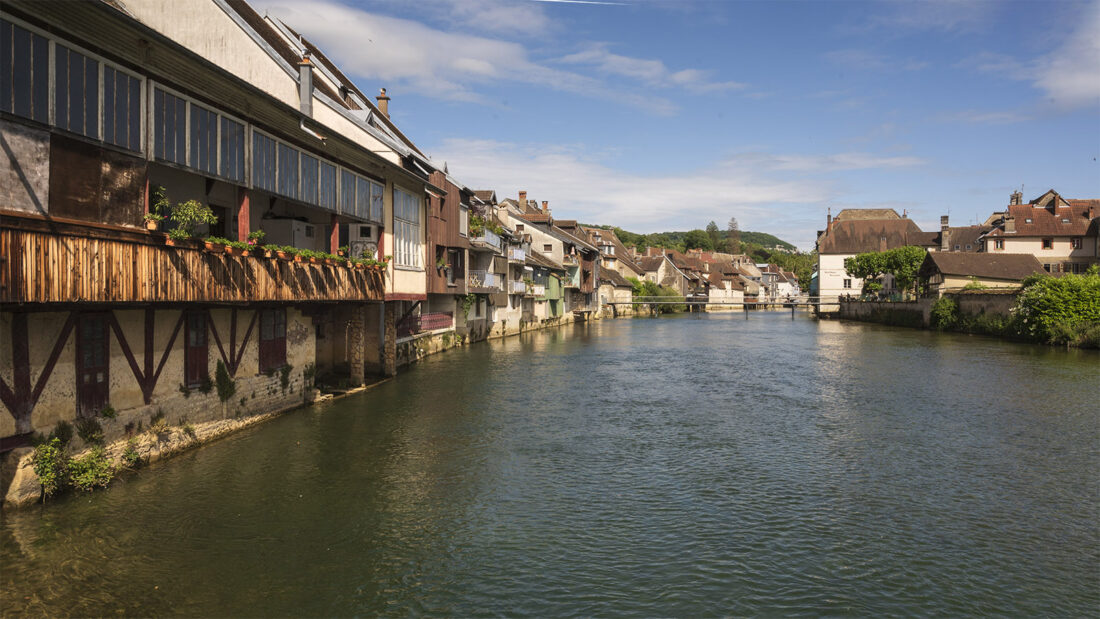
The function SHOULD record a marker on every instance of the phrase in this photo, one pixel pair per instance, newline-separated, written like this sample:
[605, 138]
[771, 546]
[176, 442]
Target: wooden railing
[48, 262]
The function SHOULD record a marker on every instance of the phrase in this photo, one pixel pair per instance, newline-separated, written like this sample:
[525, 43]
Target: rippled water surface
[688, 466]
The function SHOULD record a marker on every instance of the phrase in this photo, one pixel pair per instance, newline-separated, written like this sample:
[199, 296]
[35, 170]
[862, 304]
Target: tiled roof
[864, 235]
[486, 195]
[968, 238]
[613, 277]
[651, 264]
[853, 214]
[1012, 267]
[538, 259]
[1031, 220]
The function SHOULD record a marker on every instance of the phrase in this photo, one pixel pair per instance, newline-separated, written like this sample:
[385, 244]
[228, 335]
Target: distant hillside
[675, 240]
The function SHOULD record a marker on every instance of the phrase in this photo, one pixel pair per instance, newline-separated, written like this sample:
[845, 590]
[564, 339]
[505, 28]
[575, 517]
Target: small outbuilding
[944, 271]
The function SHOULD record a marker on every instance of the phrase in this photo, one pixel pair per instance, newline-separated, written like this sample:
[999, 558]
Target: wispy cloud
[1069, 75]
[647, 71]
[950, 16]
[980, 117]
[759, 189]
[863, 60]
[457, 66]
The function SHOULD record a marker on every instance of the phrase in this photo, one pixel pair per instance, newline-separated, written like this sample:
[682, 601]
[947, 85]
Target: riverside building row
[114, 111]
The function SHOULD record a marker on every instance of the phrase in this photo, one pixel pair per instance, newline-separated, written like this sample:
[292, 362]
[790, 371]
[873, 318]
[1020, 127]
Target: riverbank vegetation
[1061, 311]
[651, 290]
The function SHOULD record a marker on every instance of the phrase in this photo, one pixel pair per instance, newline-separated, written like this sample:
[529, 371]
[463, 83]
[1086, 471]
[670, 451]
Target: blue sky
[667, 115]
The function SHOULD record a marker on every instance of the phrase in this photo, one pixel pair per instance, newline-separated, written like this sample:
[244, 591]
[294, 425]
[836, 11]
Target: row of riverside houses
[1048, 234]
[111, 110]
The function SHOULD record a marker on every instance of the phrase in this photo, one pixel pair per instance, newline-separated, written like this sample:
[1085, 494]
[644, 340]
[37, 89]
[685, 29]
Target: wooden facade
[47, 261]
[445, 239]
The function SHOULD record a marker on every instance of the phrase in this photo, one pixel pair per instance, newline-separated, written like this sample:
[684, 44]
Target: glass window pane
[362, 198]
[21, 72]
[7, 58]
[308, 191]
[91, 98]
[327, 186]
[263, 162]
[133, 116]
[376, 202]
[347, 193]
[288, 171]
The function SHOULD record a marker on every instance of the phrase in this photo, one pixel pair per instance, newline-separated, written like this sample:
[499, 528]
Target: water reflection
[676, 466]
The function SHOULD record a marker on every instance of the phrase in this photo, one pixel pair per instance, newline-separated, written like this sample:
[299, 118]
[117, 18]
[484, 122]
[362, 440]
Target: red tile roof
[1032, 220]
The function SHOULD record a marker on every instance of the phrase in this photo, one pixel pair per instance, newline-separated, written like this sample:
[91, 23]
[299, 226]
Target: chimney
[305, 86]
[383, 103]
[1016, 198]
[523, 199]
[1010, 224]
[545, 207]
[829, 220]
[945, 232]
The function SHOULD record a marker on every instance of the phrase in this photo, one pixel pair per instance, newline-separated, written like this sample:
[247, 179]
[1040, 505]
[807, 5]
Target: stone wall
[985, 302]
[905, 314]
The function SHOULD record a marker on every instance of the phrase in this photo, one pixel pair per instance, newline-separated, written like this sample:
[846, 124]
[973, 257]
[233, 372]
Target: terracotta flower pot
[233, 251]
[282, 255]
[214, 247]
[298, 258]
[152, 224]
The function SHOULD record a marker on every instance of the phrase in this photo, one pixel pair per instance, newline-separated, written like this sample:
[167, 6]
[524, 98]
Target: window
[347, 192]
[1048, 243]
[519, 227]
[309, 179]
[957, 247]
[196, 361]
[204, 140]
[998, 244]
[169, 127]
[288, 171]
[406, 233]
[362, 198]
[232, 159]
[968, 247]
[263, 162]
[847, 283]
[463, 220]
[76, 92]
[24, 73]
[376, 202]
[272, 339]
[1046, 267]
[327, 186]
[93, 364]
[1075, 243]
[121, 109]
[547, 247]
[1027, 220]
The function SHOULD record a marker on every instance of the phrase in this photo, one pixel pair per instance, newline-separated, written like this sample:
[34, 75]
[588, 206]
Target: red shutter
[196, 359]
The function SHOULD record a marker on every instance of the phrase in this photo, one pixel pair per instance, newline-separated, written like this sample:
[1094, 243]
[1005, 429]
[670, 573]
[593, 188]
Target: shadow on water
[686, 465]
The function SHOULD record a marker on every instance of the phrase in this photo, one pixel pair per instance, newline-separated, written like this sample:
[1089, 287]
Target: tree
[712, 232]
[904, 263]
[733, 236]
[698, 239]
[869, 265]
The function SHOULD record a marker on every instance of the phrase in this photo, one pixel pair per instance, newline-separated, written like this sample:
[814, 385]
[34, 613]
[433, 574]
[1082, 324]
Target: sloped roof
[486, 195]
[864, 235]
[538, 259]
[612, 276]
[651, 264]
[1012, 267]
[963, 236]
[1035, 220]
[853, 214]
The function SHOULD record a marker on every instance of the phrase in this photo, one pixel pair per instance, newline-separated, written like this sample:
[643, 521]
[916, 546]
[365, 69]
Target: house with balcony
[226, 110]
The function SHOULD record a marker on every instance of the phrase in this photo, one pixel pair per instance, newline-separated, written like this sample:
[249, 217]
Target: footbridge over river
[699, 303]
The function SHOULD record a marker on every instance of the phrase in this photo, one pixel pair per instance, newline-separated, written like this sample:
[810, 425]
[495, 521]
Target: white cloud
[455, 66]
[1069, 75]
[978, 117]
[952, 16]
[647, 71]
[771, 193]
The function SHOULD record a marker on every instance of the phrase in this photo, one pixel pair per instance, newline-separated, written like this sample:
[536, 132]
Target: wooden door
[93, 361]
[196, 359]
[272, 339]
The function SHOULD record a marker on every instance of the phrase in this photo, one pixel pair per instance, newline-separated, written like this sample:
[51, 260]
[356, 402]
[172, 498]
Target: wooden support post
[334, 235]
[243, 224]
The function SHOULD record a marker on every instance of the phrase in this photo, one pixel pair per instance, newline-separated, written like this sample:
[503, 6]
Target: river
[681, 466]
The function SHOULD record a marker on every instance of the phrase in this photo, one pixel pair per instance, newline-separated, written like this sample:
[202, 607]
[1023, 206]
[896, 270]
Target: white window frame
[407, 237]
[150, 146]
[52, 41]
[463, 220]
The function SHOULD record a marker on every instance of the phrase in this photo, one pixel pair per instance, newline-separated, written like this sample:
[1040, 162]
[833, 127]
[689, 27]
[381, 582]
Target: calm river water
[687, 466]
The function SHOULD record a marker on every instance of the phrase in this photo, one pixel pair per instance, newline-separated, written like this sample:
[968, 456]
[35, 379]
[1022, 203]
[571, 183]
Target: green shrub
[226, 385]
[189, 430]
[974, 284]
[131, 459]
[92, 470]
[207, 385]
[284, 376]
[158, 424]
[191, 213]
[51, 466]
[108, 412]
[945, 313]
[63, 432]
[89, 430]
[1055, 309]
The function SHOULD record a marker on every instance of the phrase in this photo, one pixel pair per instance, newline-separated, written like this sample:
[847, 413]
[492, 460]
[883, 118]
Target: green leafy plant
[256, 237]
[178, 234]
[131, 459]
[63, 432]
[207, 385]
[92, 470]
[189, 429]
[468, 302]
[187, 215]
[158, 424]
[158, 204]
[217, 240]
[226, 385]
[974, 284]
[108, 412]
[284, 376]
[89, 430]
[51, 466]
[945, 313]
[309, 373]
[1057, 309]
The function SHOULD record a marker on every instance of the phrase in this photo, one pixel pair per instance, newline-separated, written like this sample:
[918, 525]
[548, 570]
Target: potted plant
[191, 213]
[286, 252]
[158, 207]
[236, 248]
[342, 251]
[177, 236]
[215, 243]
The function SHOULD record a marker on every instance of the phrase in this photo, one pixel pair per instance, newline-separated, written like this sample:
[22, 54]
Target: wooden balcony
[53, 261]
